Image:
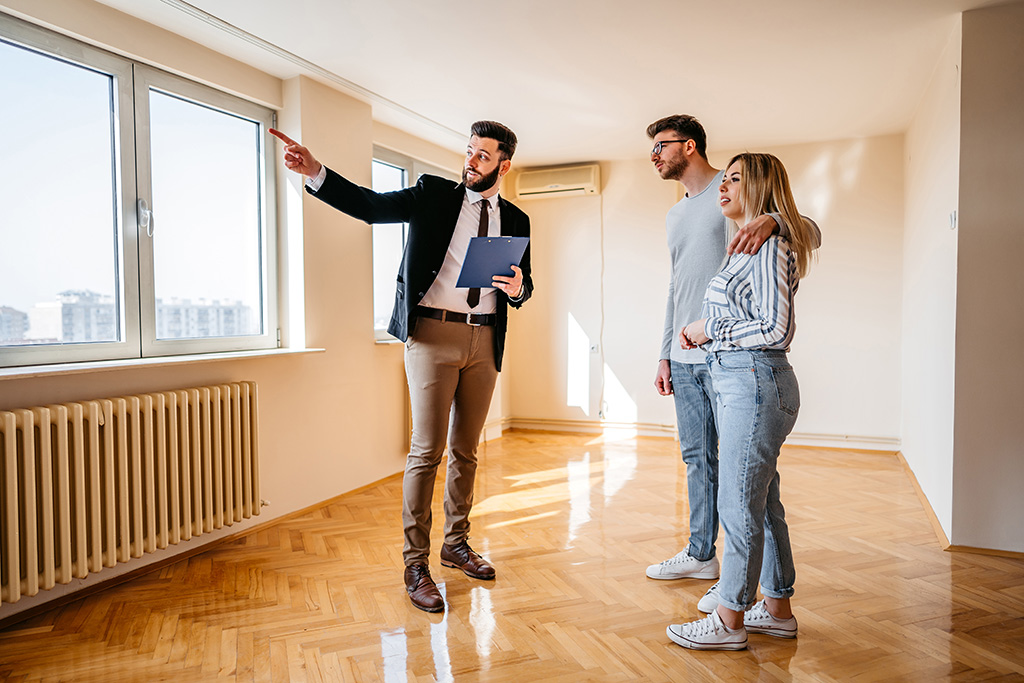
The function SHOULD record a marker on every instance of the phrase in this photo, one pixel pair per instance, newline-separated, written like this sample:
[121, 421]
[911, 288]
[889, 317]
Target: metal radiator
[90, 484]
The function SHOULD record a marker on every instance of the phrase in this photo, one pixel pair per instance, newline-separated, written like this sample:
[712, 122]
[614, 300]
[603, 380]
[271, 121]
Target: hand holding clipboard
[492, 257]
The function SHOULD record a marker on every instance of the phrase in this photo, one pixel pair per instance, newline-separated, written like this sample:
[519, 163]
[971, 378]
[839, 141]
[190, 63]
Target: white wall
[847, 347]
[988, 432]
[607, 254]
[930, 283]
[964, 382]
[594, 255]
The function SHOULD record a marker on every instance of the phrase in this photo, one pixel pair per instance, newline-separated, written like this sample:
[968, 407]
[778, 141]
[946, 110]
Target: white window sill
[382, 336]
[101, 366]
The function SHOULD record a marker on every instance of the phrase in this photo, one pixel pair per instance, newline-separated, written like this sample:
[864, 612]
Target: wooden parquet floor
[570, 523]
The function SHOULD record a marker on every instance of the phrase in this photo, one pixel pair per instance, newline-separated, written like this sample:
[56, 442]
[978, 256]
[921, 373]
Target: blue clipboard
[490, 256]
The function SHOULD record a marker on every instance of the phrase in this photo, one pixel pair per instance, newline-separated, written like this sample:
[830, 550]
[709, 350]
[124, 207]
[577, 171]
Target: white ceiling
[580, 80]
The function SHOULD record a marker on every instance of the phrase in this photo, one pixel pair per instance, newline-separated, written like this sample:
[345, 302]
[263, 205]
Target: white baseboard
[493, 430]
[592, 427]
[869, 443]
[861, 443]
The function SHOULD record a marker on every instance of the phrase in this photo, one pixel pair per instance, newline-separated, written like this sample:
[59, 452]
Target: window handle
[145, 217]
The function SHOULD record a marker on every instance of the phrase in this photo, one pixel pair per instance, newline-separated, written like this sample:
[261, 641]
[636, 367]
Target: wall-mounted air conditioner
[561, 181]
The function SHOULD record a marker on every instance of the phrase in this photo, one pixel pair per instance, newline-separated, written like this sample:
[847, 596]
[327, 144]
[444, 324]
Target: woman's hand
[693, 335]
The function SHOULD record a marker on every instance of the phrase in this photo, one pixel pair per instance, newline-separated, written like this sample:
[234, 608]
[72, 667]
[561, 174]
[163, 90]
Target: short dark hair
[501, 133]
[685, 126]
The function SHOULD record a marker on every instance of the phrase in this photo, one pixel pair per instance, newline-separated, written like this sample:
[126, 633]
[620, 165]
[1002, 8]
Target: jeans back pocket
[787, 389]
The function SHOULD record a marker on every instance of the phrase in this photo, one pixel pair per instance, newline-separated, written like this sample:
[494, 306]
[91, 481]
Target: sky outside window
[58, 225]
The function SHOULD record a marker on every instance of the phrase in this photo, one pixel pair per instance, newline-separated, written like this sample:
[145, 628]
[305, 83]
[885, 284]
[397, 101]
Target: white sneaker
[684, 566]
[757, 619]
[708, 633]
[709, 603]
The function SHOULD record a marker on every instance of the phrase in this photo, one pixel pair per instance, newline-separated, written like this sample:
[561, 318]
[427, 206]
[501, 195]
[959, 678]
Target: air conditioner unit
[561, 181]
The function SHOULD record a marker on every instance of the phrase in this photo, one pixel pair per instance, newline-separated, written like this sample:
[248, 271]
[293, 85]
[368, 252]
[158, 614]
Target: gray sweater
[698, 234]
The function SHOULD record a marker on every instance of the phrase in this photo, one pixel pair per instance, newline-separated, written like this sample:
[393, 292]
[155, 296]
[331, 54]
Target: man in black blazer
[455, 338]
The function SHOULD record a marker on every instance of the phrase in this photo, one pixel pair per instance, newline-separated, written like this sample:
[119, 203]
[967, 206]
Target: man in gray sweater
[698, 242]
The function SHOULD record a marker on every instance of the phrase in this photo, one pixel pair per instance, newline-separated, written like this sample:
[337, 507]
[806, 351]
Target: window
[392, 171]
[141, 221]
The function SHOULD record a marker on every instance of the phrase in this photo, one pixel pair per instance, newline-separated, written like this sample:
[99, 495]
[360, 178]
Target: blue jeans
[758, 401]
[698, 441]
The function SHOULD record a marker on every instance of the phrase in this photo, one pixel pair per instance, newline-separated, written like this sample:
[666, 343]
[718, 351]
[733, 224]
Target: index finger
[281, 136]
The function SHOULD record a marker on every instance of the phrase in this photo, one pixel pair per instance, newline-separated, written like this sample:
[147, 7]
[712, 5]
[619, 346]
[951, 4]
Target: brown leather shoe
[421, 588]
[461, 556]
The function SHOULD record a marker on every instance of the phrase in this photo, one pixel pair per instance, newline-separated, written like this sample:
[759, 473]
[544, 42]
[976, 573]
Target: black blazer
[431, 209]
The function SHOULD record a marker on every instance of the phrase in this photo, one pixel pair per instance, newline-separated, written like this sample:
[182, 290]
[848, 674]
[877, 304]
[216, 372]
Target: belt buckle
[469, 321]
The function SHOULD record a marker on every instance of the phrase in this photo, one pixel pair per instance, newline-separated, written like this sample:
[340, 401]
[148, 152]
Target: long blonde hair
[765, 189]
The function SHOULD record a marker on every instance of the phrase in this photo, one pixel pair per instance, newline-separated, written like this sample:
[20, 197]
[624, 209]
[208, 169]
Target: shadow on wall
[841, 168]
[616, 406]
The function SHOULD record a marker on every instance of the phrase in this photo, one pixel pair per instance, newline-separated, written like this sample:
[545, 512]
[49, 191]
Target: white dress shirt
[443, 293]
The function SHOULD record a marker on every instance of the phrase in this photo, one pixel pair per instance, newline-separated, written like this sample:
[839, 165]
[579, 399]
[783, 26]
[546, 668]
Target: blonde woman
[747, 328]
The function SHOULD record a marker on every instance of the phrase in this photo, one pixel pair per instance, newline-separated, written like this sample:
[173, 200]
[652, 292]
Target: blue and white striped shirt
[749, 304]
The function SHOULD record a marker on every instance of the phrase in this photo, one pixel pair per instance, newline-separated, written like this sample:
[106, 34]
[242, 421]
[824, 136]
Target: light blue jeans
[758, 401]
[698, 441]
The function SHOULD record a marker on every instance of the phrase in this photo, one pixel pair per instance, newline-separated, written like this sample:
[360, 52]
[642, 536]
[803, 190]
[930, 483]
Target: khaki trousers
[451, 372]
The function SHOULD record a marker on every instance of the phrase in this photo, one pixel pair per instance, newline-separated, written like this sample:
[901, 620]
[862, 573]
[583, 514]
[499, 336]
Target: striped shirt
[749, 304]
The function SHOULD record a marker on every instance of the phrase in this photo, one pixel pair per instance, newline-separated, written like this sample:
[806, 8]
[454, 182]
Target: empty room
[353, 341]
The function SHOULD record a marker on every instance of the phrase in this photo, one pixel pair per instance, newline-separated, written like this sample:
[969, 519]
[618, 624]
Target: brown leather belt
[474, 319]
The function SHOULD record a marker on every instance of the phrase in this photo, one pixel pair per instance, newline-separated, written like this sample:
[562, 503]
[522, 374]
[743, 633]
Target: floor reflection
[394, 653]
[481, 618]
[394, 647]
[579, 495]
[619, 468]
[439, 642]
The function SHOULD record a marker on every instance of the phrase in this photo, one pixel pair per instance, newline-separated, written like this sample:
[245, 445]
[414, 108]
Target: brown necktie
[473, 298]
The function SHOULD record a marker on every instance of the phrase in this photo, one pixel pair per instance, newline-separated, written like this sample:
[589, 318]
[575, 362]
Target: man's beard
[483, 183]
[675, 170]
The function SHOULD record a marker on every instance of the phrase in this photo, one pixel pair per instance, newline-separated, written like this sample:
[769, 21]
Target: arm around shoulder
[784, 229]
[815, 231]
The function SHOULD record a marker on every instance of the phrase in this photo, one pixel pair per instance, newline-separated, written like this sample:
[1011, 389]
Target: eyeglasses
[659, 145]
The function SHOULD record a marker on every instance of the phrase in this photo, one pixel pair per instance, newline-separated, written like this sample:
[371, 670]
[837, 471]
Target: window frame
[51, 45]
[135, 300]
[147, 78]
